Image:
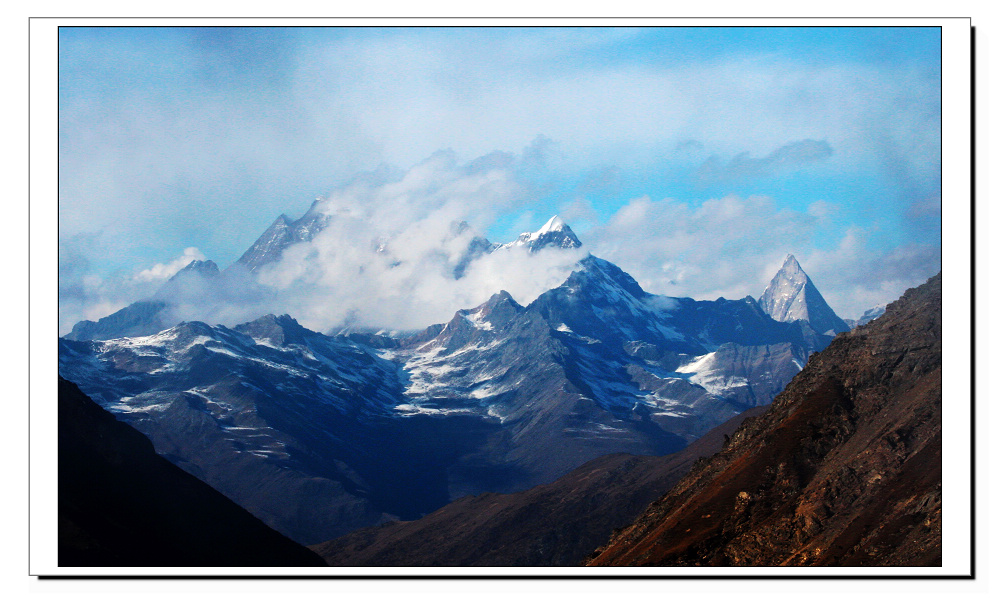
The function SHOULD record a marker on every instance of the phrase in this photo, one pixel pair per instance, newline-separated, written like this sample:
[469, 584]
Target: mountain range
[319, 435]
[842, 469]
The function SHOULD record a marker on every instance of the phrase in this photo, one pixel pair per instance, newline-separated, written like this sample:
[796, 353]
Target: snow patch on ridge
[704, 372]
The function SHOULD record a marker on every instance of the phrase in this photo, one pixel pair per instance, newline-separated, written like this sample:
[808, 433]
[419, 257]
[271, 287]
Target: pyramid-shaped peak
[554, 224]
[791, 295]
[554, 233]
[791, 263]
[792, 270]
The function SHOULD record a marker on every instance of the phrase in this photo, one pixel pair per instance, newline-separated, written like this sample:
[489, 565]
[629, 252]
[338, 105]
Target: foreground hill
[122, 505]
[554, 524]
[843, 470]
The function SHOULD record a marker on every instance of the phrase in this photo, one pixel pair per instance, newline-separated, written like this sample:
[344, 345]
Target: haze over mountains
[344, 431]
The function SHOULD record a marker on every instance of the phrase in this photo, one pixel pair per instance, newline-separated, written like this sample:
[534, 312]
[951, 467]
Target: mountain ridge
[844, 469]
[552, 524]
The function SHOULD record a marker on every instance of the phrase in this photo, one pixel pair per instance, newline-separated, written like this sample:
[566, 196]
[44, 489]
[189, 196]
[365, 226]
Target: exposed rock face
[791, 295]
[122, 505]
[554, 524]
[282, 233]
[843, 470]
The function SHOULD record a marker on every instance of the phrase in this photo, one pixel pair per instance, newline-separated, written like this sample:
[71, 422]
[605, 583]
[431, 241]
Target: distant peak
[555, 224]
[791, 295]
[502, 296]
[553, 233]
[281, 330]
[791, 264]
[205, 266]
[496, 300]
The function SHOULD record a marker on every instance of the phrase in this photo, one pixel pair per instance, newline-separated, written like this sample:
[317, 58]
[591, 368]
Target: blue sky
[663, 147]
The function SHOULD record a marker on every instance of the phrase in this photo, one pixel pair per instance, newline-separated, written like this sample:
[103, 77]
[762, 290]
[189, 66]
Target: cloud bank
[745, 149]
[392, 241]
[732, 246]
[180, 136]
[387, 257]
[791, 155]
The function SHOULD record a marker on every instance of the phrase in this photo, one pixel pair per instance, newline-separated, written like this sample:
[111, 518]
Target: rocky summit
[791, 295]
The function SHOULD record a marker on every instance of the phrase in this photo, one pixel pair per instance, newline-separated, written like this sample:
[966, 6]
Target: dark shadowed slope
[554, 524]
[843, 470]
[120, 504]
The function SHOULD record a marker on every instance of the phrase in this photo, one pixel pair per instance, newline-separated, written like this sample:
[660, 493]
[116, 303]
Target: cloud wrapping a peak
[732, 246]
[165, 271]
[388, 254]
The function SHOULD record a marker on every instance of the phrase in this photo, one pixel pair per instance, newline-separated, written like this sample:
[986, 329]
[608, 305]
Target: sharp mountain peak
[791, 295]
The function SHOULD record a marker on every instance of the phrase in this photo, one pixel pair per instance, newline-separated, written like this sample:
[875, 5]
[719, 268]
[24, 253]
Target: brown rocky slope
[843, 470]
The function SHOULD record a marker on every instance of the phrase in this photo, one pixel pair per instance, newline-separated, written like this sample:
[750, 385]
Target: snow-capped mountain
[555, 233]
[338, 432]
[201, 281]
[264, 413]
[791, 296]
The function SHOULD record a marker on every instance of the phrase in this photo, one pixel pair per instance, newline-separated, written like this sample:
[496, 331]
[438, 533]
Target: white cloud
[731, 247]
[144, 152]
[859, 277]
[165, 271]
[343, 277]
